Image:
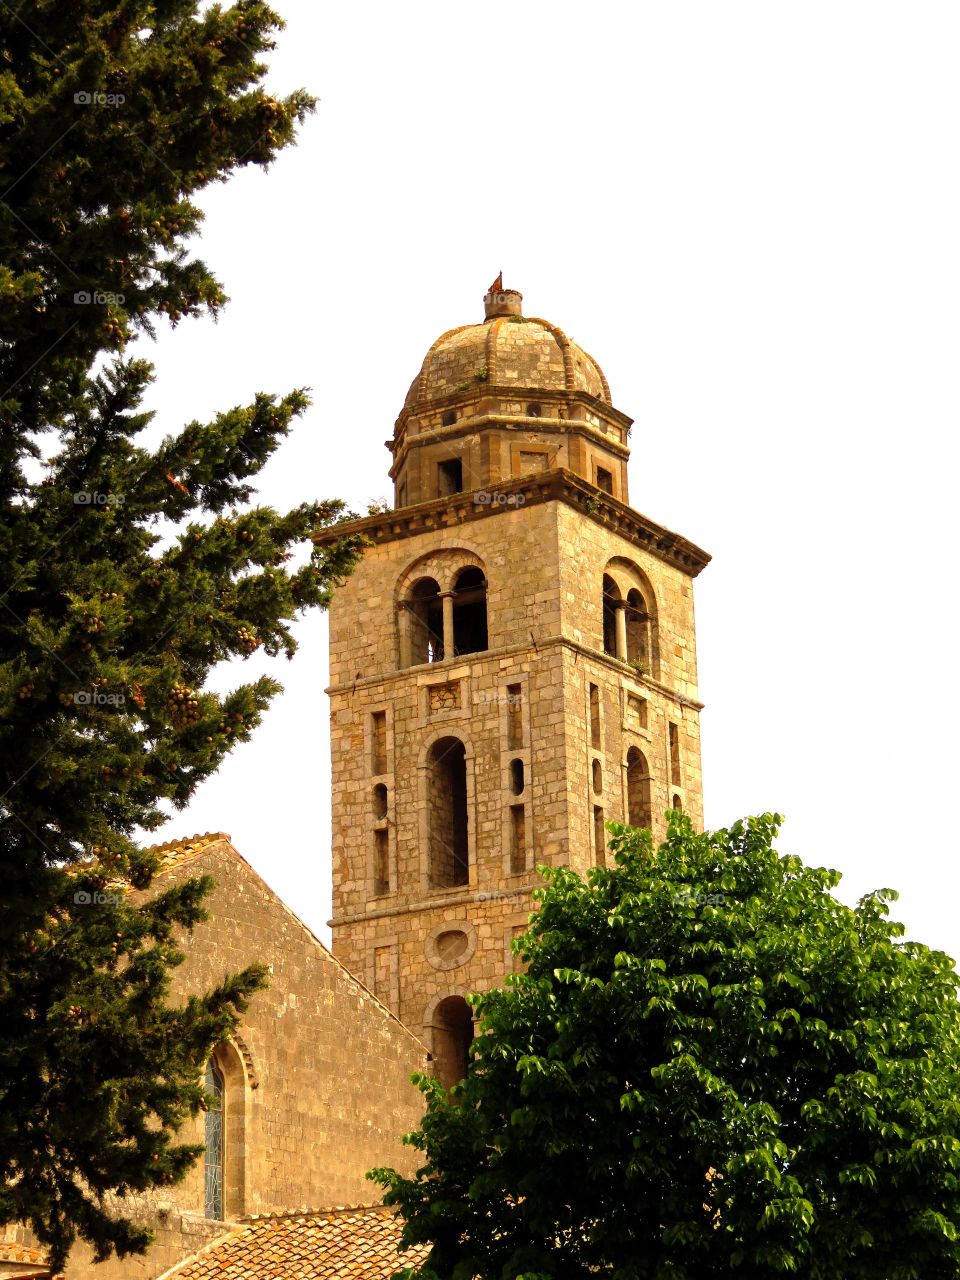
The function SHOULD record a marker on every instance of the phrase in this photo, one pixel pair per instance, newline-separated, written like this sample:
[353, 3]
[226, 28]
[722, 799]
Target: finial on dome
[498, 301]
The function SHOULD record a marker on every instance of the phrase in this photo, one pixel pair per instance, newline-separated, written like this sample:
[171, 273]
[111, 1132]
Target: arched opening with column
[639, 807]
[630, 619]
[449, 1024]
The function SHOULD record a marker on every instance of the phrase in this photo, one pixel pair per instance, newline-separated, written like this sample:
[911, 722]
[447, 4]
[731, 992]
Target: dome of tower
[507, 350]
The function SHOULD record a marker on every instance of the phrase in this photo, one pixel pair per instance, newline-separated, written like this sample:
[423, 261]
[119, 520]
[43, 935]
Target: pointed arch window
[213, 1143]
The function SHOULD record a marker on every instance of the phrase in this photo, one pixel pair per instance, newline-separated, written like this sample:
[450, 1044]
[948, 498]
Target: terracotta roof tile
[342, 1244]
[30, 1261]
[173, 852]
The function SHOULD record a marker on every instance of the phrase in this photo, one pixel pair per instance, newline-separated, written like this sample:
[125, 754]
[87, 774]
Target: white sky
[749, 213]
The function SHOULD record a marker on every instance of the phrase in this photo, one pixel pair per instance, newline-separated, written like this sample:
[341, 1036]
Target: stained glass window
[213, 1139]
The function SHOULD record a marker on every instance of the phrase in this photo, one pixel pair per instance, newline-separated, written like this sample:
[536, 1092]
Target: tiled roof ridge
[199, 1254]
[183, 842]
[333, 1211]
[17, 1251]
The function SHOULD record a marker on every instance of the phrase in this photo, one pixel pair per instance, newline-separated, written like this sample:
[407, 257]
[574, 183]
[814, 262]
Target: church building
[512, 665]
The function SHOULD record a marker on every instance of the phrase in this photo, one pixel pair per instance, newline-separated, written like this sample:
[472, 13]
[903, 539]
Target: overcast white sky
[749, 213]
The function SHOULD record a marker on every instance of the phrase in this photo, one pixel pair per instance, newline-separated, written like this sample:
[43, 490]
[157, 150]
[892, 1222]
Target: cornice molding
[559, 485]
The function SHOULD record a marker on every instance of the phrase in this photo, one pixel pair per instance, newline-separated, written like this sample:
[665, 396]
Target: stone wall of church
[317, 1086]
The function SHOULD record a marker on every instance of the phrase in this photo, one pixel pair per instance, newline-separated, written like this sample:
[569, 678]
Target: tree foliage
[129, 573]
[710, 1067]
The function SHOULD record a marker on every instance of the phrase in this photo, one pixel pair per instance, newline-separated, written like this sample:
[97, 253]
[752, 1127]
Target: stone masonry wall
[522, 710]
[318, 1086]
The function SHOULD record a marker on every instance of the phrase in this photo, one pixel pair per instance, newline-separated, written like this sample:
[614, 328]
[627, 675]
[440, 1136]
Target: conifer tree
[128, 573]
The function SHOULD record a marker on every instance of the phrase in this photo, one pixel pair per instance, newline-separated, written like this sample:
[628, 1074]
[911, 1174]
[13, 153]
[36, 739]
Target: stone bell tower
[511, 665]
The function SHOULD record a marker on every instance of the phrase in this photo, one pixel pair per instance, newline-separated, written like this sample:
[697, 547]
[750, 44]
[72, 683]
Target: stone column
[406, 647]
[447, 598]
[621, 618]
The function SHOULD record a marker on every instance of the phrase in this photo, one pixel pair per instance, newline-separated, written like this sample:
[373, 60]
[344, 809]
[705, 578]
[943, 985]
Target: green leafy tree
[129, 573]
[710, 1067]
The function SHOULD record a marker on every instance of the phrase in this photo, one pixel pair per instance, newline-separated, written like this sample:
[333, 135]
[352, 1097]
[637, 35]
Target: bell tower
[512, 664]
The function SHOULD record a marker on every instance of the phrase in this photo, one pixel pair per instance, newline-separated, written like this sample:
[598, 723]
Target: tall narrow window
[639, 812]
[378, 742]
[605, 480]
[381, 861]
[447, 814]
[384, 966]
[599, 836]
[213, 1143]
[674, 732]
[470, 612]
[595, 717]
[514, 717]
[518, 839]
[611, 599]
[678, 804]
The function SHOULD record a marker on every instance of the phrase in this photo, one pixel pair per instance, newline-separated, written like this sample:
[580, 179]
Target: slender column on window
[406, 648]
[621, 608]
[447, 598]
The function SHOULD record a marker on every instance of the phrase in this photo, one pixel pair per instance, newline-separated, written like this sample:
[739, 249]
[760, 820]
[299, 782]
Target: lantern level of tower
[509, 397]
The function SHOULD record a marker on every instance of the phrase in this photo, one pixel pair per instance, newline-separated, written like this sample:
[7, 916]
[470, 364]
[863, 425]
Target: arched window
[213, 1143]
[470, 611]
[638, 630]
[452, 1036]
[224, 1134]
[630, 630]
[516, 776]
[677, 803]
[639, 812]
[611, 598]
[424, 623]
[447, 830]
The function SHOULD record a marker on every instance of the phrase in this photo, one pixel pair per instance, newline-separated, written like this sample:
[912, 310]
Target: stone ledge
[559, 485]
